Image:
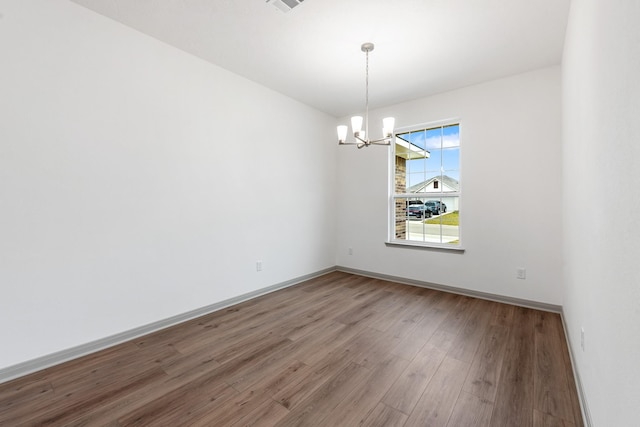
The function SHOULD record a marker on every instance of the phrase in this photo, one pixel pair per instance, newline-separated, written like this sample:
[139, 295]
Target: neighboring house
[438, 186]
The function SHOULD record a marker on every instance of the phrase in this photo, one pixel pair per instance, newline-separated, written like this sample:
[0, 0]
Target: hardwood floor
[338, 350]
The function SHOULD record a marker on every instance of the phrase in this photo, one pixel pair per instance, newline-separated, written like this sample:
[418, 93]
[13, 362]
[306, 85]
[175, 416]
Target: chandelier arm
[382, 141]
[364, 141]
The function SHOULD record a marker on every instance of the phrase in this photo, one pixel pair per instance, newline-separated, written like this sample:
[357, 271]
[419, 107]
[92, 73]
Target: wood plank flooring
[338, 350]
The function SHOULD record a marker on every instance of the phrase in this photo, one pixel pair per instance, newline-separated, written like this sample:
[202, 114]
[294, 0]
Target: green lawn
[451, 218]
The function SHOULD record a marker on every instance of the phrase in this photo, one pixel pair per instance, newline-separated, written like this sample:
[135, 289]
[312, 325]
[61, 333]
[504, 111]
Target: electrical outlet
[258, 265]
[521, 273]
[582, 338]
[350, 251]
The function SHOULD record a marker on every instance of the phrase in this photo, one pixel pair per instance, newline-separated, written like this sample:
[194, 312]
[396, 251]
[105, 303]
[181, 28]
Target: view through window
[426, 183]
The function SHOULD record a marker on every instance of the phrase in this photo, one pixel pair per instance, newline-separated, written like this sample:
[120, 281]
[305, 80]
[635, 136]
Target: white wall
[601, 150]
[511, 175]
[138, 182]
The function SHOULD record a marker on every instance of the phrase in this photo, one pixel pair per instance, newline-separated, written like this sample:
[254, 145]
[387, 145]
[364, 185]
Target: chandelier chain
[366, 125]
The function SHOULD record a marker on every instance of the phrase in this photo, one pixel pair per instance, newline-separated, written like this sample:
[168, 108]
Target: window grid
[425, 199]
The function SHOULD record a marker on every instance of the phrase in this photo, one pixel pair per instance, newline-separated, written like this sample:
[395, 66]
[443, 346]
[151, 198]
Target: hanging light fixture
[360, 135]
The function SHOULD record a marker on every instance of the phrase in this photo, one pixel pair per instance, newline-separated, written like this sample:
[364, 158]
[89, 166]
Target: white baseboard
[460, 291]
[584, 407]
[39, 363]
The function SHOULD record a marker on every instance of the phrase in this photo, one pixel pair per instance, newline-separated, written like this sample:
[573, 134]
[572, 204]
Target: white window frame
[392, 241]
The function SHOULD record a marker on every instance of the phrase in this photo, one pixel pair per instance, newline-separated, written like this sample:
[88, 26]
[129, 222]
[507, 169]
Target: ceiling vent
[285, 5]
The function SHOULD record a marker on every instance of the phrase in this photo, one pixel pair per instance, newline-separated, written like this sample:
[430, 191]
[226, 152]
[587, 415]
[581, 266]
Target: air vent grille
[285, 5]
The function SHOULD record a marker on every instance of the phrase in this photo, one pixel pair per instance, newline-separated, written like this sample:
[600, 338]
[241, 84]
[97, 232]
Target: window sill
[422, 245]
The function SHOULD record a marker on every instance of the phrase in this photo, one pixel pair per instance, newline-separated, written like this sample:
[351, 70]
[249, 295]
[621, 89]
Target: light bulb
[356, 125]
[342, 133]
[387, 126]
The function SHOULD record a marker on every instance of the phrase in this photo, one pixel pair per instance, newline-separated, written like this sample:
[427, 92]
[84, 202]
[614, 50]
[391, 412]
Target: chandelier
[360, 135]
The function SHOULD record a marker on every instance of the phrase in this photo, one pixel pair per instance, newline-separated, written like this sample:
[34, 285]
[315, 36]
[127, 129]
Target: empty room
[319, 213]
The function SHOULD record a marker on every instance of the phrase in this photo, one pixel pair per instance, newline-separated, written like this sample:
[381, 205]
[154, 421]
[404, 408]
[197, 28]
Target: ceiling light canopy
[285, 5]
[360, 135]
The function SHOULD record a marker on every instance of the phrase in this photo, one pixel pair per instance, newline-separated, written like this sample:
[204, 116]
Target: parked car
[419, 211]
[435, 207]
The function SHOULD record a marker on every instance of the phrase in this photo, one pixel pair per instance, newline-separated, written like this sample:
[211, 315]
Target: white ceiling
[312, 53]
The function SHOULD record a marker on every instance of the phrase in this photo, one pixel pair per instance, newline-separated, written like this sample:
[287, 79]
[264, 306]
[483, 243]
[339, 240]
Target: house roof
[446, 180]
[409, 151]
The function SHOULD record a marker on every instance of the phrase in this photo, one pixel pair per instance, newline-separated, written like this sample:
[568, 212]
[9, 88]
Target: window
[425, 199]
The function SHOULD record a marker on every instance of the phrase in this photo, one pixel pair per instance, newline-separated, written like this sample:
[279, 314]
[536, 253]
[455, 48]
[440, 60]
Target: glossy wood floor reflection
[339, 350]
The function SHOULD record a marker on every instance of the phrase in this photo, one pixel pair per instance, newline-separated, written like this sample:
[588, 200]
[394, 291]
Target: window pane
[432, 165]
[446, 224]
[451, 136]
[451, 162]
[400, 230]
[414, 181]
